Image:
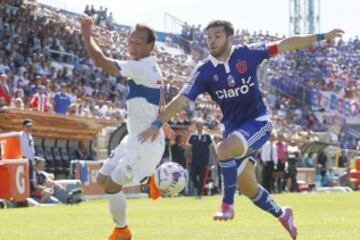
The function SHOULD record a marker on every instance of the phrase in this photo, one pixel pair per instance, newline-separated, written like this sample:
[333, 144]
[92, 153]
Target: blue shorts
[254, 134]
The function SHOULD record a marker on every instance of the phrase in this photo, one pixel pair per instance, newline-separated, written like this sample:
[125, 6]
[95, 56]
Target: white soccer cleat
[225, 212]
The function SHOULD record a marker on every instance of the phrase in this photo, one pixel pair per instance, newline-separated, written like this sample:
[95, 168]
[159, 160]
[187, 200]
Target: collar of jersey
[216, 62]
[151, 58]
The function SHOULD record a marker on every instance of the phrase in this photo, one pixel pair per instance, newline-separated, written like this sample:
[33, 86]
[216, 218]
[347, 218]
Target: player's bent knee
[223, 151]
[101, 179]
[230, 148]
[111, 187]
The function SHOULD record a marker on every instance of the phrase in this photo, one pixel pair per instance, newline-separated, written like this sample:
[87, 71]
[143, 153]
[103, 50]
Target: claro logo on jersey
[236, 91]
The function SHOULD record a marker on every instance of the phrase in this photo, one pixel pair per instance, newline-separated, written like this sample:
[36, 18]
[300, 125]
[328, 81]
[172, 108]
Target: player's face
[218, 42]
[137, 45]
[28, 128]
[199, 126]
[40, 165]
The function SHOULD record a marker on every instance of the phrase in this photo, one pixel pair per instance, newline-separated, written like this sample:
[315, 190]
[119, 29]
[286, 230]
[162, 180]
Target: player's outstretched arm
[175, 106]
[93, 49]
[296, 42]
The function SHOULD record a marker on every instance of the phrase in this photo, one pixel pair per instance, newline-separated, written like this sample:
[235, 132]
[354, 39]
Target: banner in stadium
[335, 103]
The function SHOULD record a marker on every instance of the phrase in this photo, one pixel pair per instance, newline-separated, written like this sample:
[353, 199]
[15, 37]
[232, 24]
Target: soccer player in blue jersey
[229, 76]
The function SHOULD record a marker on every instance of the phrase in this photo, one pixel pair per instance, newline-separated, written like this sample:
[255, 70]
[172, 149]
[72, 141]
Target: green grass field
[318, 216]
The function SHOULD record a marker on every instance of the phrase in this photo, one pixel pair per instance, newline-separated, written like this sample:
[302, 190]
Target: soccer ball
[170, 178]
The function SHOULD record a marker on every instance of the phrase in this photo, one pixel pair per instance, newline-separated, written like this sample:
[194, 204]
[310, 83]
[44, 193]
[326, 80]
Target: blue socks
[262, 197]
[229, 174]
[263, 200]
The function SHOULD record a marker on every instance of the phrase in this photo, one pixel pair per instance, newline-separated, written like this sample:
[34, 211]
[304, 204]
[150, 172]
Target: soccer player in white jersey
[229, 76]
[131, 162]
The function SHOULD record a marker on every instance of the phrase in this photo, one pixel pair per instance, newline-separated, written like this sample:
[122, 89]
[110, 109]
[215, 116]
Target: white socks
[117, 207]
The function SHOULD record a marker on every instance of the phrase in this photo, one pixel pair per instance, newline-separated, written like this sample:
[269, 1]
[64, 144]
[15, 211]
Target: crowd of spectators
[29, 80]
[31, 77]
[29, 57]
[47, 70]
[288, 112]
[329, 66]
[101, 16]
[325, 66]
[289, 78]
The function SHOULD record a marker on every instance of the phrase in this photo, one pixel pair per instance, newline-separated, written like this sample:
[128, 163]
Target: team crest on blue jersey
[216, 78]
[231, 81]
[241, 66]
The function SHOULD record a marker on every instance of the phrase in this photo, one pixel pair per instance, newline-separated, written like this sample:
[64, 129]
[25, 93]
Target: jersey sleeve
[194, 85]
[126, 68]
[259, 51]
[139, 71]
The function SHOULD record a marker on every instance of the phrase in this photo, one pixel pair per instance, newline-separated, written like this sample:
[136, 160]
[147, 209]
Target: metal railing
[60, 56]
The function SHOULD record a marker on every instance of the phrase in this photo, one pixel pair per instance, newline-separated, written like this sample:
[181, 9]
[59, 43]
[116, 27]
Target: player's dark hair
[151, 37]
[228, 27]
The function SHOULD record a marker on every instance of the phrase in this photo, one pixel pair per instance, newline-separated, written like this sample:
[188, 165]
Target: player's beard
[221, 50]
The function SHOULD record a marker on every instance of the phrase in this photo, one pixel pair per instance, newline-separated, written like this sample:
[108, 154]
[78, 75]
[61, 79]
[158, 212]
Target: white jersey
[144, 81]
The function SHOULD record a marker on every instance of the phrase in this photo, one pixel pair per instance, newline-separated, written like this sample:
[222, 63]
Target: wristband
[320, 37]
[157, 123]
[273, 49]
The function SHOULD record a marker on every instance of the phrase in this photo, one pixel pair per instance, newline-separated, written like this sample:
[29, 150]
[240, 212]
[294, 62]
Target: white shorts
[132, 161]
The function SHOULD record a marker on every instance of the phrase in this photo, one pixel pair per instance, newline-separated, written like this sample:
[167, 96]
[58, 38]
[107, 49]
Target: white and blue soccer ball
[170, 178]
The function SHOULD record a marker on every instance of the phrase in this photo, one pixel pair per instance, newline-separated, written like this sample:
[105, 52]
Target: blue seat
[39, 151]
[65, 157]
[72, 153]
[57, 159]
[50, 165]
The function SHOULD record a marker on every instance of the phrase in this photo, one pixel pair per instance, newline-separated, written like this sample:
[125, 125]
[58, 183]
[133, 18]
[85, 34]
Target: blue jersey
[233, 85]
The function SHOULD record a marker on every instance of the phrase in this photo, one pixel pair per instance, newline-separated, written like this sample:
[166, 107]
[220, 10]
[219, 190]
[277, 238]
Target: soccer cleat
[120, 234]
[287, 220]
[225, 212]
[154, 191]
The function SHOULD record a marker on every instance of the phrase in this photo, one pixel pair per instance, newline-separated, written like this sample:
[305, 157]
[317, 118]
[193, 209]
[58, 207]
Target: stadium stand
[299, 87]
[296, 80]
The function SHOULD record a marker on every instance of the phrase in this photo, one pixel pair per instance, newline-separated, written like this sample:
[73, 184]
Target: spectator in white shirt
[27, 141]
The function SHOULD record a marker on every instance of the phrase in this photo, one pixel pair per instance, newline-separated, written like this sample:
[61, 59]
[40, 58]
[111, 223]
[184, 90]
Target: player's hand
[150, 133]
[168, 132]
[86, 23]
[334, 33]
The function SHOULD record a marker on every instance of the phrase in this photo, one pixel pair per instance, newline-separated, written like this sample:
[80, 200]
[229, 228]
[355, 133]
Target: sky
[254, 15]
